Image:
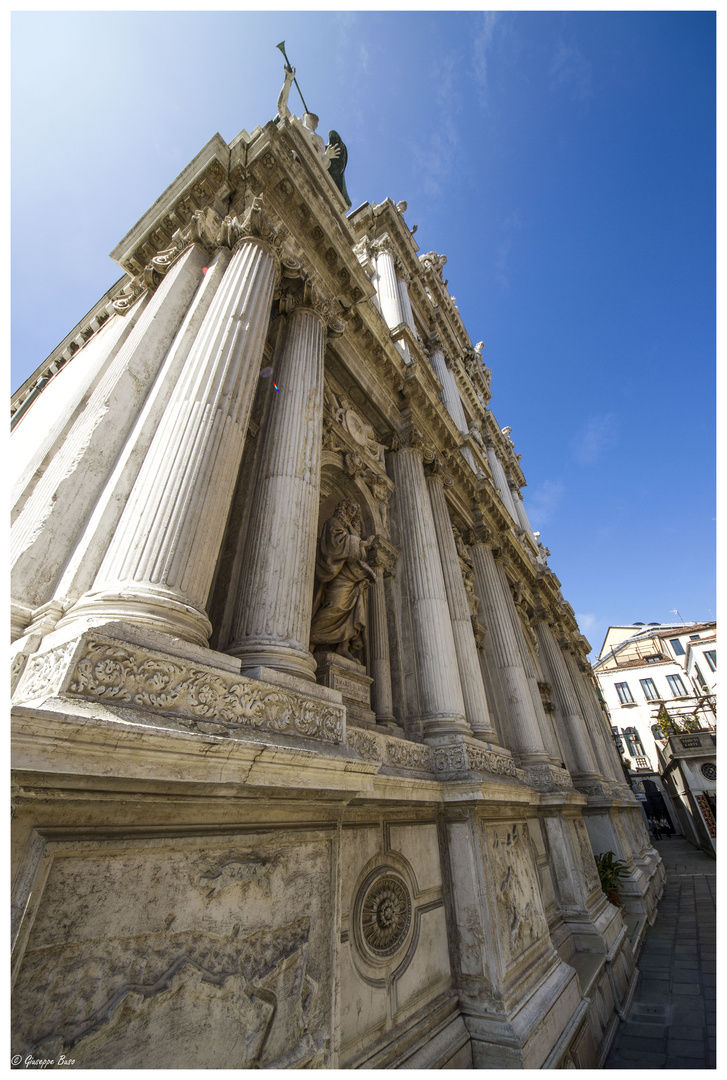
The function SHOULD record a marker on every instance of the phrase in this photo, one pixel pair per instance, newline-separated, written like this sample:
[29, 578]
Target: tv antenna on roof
[674, 611]
[281, 46]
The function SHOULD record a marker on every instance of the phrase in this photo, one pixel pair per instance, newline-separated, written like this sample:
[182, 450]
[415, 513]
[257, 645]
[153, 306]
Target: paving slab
[672, 1020]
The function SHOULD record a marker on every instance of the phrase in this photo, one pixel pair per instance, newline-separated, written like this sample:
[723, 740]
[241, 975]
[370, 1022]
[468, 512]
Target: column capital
[382, 554]
[481, 534]
[435, 469]
[411, 438]
[382, 244]
[255, 224]
[401, 272]
[301, 292]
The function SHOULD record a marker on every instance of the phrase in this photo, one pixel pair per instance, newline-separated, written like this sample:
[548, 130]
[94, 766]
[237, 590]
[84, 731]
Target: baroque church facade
[309, 765]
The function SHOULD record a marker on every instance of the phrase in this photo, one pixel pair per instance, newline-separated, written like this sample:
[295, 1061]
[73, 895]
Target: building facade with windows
[309, 765]
[659, 684]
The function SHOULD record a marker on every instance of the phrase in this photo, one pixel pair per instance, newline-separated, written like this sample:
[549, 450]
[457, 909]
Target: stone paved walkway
[672, 1021]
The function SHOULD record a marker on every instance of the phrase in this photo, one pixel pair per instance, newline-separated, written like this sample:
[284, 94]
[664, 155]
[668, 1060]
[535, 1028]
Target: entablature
[204, 182]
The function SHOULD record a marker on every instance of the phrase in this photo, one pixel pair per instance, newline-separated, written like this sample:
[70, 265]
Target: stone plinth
[350, 679]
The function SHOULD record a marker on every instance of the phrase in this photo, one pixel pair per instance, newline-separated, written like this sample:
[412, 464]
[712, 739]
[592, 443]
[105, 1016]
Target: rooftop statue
[334, 157]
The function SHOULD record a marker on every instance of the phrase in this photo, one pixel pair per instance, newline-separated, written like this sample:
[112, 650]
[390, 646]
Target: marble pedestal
[350, 679]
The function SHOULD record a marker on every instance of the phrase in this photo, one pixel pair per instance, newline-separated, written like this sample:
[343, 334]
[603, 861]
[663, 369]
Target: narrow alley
[672, 1021]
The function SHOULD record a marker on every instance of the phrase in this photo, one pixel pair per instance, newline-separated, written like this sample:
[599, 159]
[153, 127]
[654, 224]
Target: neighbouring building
[659, 684]
[309, 765]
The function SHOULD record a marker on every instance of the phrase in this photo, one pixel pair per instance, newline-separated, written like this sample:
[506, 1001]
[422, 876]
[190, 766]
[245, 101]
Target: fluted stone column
[42, 428]
[584, 763]
[450, 397]
[273, 613]
[159, 566]
[382, 558]
[450, 391]
[470, 673]
[521, 512]
[598, 728]
[496, 615]
[440, 692]
[403, 281]
[387, 289]
[498, 475]
[534, 676]
[47, 528]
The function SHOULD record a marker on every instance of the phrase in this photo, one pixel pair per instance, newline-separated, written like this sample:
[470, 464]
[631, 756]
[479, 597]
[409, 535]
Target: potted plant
[612, 872]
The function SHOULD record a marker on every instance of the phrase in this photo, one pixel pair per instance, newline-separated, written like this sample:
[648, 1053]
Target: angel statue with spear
[334, 157]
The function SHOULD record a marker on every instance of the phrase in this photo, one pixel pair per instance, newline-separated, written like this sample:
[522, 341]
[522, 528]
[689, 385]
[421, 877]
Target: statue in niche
[342, 581]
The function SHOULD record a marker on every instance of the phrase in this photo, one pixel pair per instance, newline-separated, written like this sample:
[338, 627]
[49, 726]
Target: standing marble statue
[342, 580]
[334, 157]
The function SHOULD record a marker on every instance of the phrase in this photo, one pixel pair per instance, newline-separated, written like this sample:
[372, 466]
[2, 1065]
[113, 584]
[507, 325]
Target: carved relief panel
[225, 960]
[518, 903]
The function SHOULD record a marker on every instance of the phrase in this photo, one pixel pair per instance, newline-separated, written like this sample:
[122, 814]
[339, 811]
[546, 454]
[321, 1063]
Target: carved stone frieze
[468, 758]
[197, 698]
[398, 753]
[407, 755]
[45, 673]
[546, 778]
[592, 787]
[367, 746]
[487, 761]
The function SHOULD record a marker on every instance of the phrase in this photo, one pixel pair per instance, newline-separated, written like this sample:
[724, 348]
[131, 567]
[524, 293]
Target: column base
[285, 658]
[141, 604]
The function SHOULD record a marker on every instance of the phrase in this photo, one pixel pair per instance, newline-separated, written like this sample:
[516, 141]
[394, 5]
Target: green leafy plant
[612, 872]
[665, 722]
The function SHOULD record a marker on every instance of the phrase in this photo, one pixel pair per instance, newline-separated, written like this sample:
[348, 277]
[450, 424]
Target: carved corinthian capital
[254, 223]
[381, 243]
[411, 438]
[382, 553]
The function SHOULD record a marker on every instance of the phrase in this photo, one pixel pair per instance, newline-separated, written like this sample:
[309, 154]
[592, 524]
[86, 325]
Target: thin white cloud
[481, 45]
[509, 226]
[595, 439]
[571, 70]
[543, 502]
[586, 622]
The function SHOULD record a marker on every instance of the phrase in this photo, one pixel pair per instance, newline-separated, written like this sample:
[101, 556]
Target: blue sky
[564, 162]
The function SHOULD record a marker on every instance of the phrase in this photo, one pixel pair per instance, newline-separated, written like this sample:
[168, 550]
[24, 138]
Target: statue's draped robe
[339, 603]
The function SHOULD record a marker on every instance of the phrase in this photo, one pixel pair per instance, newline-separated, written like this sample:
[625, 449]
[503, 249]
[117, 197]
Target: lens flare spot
[266, 373]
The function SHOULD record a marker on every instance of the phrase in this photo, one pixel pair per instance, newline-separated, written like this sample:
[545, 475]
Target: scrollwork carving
[210, 701]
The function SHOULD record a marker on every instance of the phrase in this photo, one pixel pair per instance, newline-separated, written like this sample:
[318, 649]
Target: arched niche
[336, 484]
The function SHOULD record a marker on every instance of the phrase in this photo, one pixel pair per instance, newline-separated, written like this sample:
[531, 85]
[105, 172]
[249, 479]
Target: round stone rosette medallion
[384, 915]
